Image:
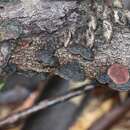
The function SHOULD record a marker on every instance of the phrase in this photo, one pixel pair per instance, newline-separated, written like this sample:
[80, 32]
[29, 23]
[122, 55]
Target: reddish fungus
[118, 73]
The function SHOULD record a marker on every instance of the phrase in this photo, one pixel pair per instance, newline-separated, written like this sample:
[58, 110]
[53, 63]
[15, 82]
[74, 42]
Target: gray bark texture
[72, 39]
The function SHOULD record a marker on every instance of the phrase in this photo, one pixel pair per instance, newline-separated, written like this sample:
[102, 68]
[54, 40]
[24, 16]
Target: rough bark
[72, 39]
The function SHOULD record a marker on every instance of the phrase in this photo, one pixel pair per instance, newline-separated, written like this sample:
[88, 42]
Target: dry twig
[43, 104]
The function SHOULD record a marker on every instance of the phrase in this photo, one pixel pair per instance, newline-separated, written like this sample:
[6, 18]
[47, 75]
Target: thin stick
[42, 105]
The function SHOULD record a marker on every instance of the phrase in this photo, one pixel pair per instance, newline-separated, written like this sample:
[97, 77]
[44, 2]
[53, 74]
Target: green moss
[2, 84]
[8, 0]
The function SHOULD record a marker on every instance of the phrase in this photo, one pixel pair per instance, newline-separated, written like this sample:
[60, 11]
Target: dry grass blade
[112, 117]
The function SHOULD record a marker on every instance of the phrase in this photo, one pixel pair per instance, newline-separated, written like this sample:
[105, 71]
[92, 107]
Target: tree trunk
[73, 39]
